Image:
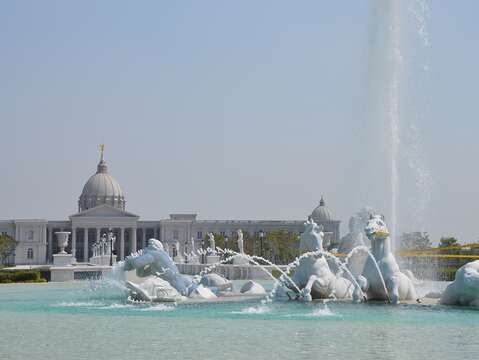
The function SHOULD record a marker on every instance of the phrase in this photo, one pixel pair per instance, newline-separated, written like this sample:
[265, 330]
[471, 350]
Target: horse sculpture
[313, 274]
[154, 261]
[392, 285]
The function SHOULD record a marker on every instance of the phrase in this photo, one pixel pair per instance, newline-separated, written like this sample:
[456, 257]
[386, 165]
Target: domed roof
[101, 188]
[322, 213]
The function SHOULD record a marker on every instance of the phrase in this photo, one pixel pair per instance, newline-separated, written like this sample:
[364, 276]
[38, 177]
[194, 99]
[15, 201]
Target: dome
[101, 188]
[322, 213]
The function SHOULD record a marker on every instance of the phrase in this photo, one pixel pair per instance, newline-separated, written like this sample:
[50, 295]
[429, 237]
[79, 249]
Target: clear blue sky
[249, 109]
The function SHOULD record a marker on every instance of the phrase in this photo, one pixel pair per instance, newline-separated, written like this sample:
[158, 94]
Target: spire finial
[321, 202]
[102, 150]
[102, 168]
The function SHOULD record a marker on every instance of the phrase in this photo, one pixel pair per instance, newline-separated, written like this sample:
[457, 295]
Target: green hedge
[20, 276]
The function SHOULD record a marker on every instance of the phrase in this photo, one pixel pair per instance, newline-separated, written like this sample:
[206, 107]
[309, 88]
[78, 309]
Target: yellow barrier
[448, 256]
[441, 248]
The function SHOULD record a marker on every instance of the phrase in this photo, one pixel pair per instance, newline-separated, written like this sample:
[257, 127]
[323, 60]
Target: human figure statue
[178, 248]
[192, 242]
[105, 247]
[211, 237]
[239, 232]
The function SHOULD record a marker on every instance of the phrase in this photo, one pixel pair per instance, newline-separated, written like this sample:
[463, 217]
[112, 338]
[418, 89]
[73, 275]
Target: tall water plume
[395, 108]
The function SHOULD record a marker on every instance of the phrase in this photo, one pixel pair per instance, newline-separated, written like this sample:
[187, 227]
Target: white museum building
[101, 206]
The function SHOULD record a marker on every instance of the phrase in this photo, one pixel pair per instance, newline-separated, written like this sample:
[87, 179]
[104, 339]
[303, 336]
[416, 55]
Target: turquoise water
[74, 321]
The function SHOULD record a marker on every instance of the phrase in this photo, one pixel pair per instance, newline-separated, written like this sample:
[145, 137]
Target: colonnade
[81, 234]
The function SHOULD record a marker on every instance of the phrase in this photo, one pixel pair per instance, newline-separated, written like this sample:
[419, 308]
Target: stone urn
[62, 238]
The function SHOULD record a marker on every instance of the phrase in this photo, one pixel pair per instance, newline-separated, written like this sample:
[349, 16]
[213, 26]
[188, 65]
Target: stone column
[133, 239]
[50, 243]
[143, 241]
[74, 242]
[98, 231]
[122, 243]
[85, 244]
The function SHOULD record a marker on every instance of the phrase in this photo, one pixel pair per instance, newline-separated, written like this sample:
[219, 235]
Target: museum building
[102, 206]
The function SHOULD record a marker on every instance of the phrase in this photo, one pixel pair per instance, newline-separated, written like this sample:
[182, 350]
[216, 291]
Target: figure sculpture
[313, 274]
[155, 261]
[192, 244]
[398, 285]
[212, 242]
[464, 290]
[239, 232]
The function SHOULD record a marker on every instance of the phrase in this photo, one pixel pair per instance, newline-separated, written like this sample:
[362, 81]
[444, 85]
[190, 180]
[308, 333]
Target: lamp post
[261, 236]
[111, 238]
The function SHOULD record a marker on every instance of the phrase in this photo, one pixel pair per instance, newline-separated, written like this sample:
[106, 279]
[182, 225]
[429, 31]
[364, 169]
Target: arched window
[30, 254]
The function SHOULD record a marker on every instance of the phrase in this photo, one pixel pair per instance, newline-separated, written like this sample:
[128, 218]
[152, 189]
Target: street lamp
[111, 239]
[261, 236]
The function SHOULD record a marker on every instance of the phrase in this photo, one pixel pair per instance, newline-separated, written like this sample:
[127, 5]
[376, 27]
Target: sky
[240, 110]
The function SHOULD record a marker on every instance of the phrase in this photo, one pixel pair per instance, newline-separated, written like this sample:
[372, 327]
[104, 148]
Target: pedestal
[212, 259]
[179, 259]
[240, 261]
[62, 259]
[61, 274]
[103, 260]
[193, 260]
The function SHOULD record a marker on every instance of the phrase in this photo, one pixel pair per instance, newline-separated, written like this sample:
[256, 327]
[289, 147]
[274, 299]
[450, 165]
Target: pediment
[105, 211]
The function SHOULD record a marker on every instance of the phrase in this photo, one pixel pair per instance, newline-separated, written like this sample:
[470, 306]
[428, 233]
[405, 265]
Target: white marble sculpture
[356, 235]
[398, 285]
[62, 238]
[313, 274]
[212, 243]
[464, 290]
[239, 232]
[155, 261]
[252, 288]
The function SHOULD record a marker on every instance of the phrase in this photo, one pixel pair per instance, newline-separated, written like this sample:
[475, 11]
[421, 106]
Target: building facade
[102, 208]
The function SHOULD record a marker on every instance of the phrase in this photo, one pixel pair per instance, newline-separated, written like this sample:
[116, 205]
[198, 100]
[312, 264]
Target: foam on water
[261, 309]
[158, 307]
[322, 312]
[79, 304]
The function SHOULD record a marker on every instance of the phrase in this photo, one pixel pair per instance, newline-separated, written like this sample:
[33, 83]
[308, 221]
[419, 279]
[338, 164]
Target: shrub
[7, 277]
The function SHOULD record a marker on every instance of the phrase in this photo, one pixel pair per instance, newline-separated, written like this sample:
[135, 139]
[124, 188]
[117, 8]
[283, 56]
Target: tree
[7, 247]
[448, 241]
[283, 246]
[415, 240]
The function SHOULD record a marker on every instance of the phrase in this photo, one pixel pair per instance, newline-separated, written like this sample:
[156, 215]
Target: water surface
[77, 321]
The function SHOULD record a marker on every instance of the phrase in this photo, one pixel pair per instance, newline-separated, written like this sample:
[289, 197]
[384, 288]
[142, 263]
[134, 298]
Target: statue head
[155, 244]
[312, 237]
[376, 228]
[239, 232]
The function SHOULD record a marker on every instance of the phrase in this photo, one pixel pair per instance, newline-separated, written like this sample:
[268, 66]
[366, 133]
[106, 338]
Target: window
[30, 235]
[199, 235]
[4, 233]
[30, 254]
[223, 233]
[175, 234]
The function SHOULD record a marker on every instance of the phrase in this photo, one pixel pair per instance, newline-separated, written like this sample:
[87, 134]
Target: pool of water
[80, 320]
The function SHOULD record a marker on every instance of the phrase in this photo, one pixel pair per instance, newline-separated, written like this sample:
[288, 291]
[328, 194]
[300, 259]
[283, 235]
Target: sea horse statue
[313, 274]
[398, 285]
[155, 261]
